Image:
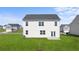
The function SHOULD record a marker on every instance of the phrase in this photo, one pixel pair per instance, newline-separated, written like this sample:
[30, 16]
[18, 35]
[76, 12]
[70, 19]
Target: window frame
[26, 32]
[42, 32]
[41, 23]
[56, 23]
[26, 23]
[53, 33]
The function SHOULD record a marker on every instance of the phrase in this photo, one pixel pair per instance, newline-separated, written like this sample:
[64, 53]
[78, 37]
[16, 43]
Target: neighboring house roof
[41, 17]
[76, 19]
[14, 25]
[5, 25]
[1, 26]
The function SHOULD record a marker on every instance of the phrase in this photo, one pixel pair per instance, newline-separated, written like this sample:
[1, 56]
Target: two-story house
[41, 26]
[65, 28]
[11, 27]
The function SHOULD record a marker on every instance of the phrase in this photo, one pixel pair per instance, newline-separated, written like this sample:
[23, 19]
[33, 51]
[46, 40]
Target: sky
[16, 14]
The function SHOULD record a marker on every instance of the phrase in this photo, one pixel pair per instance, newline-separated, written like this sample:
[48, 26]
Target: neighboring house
[41, 26]
[1, 27]
[11, 27]
[74, 26]
[4, 27]
[65, 28]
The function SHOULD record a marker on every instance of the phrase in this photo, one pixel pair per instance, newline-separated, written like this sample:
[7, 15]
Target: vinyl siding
[34, 29]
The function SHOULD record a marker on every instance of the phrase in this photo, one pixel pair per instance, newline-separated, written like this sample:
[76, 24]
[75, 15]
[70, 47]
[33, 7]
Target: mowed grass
[2, 30]
[18, 31]
[16, 42]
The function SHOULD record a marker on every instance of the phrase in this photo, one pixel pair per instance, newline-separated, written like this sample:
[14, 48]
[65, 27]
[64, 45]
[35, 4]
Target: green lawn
[18, 31]
[16, 42]
[2, 30]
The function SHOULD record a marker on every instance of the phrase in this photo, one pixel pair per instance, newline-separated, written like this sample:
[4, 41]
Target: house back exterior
[74, 26]
[41, 26]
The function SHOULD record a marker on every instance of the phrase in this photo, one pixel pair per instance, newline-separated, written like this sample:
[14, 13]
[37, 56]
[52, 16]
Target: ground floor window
[53, 33]
[42, 32]
[26, 32]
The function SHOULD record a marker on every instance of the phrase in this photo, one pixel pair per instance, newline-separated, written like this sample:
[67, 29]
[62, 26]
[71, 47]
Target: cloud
[67, 14]
[66, 9]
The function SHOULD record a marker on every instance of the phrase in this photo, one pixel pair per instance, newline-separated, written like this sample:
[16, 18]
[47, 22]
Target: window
[26, 23]
[41, 23]
[53, 33]
[26, 32]
[42, 32]
[55, 23]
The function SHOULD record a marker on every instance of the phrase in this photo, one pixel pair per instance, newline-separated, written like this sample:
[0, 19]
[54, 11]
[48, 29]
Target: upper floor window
[55, 23]
[41, 23]
[42, 32]
[26, 23]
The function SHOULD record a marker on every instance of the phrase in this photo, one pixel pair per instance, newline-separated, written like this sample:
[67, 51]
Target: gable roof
[41, 17]
[1, 26]
[76, 19]
[13, 25]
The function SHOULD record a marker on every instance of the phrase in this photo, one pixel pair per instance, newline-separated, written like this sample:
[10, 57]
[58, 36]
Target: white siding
[65, 29]
[34, 29]
[8, 30]
[74, 26]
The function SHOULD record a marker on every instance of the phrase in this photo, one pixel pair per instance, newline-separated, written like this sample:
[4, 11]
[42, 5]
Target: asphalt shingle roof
[14, 25]
[41, 17]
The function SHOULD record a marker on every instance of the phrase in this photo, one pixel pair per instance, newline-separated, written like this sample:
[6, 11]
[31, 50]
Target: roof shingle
[41, 17]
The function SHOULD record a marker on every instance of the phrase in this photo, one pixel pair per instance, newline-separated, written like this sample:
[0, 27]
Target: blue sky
[16, 14]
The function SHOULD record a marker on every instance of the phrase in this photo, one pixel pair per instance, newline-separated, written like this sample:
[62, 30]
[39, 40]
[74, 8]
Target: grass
[16, 42]
[19, 31]
[2, 30]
